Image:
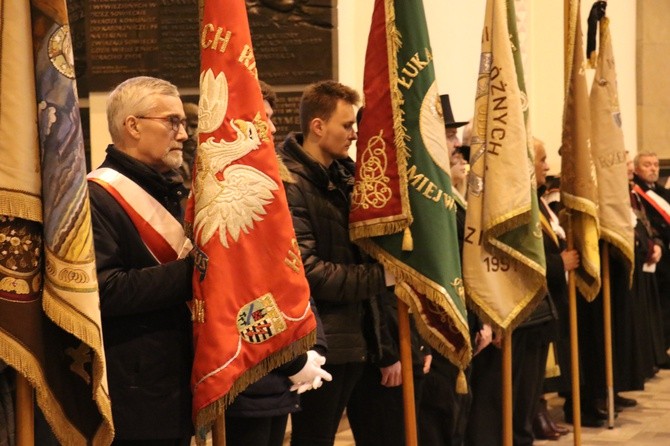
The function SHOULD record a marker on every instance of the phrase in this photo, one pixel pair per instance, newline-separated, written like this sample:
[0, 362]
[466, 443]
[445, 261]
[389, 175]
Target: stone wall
[653, 77]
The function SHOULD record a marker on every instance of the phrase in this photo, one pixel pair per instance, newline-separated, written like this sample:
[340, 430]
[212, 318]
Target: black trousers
[375, 412]
[443, 414]
[316, 424]
[256, 431]
[529, 357]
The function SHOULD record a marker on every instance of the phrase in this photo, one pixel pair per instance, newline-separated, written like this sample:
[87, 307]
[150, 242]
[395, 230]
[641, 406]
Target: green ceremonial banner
[403, 211]
[503, 252]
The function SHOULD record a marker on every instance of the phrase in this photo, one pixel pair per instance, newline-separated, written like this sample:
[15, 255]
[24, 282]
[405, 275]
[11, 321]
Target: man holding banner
[143, 266]
[343, 281]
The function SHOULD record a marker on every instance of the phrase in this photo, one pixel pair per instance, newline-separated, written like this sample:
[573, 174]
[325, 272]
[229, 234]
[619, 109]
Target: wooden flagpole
[607, 325]
[574, 348]
[572, 286]
[507, 409]
[25, 412]
[407, 374]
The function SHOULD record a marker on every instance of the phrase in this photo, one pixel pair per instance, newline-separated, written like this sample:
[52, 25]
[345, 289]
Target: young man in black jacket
[146, 323]
[343, 281]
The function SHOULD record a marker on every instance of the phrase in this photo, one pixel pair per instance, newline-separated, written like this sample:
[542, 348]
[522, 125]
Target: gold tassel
[552, 369]
[461, 383]
[407, 241]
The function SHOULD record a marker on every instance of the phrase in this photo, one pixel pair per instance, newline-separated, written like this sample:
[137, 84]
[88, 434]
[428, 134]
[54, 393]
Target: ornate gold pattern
[373, 190]
[60, 51]
[20, 256]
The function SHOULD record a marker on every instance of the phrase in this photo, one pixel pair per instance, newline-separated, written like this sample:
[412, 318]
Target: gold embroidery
[60, 51]
[213, 43]
[373, 190]
[293, 259]
[261, 128]
[198, 311]
[537, 231]
[20, 256]
[458, 286]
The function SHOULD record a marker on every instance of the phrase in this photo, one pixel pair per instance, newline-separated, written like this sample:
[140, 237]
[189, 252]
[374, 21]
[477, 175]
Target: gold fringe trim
[508, 223]
[460, 359]
[83, 329]
[407, 240]
[588, 288]
[21, 360]
[580, 204]
[393, 45]
[21, 204]
[537, 290]
[461, 383]
[433, 292]
[622, 250]
[573, 15]
[383, 226]
[205, 417]
[397, 223]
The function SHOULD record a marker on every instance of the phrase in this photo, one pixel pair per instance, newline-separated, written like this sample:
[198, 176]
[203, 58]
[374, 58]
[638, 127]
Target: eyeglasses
[175, 121]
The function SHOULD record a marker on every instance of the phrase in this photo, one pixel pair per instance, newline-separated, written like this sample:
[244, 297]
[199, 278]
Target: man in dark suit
[656, 201]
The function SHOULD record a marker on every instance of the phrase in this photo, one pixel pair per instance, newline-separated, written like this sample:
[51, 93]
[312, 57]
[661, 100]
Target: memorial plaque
[293, 40]
[286, 114]
[76, 16]
[142, 37]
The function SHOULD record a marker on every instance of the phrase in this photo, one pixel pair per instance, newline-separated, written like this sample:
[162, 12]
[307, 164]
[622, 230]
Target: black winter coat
[344, 283]
[146, 324]
[546, 310]
[270, 396]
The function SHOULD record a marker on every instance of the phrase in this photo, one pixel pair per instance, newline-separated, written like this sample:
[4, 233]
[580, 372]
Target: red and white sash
[161, 233]
[656, 201]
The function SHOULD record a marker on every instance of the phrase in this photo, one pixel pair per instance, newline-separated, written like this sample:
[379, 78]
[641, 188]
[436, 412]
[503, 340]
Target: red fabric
[378, 120]
[255, 264]
[155, 242]
[655, 205]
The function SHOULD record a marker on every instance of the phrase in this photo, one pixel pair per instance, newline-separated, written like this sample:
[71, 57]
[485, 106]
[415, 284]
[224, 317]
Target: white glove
[311, 376]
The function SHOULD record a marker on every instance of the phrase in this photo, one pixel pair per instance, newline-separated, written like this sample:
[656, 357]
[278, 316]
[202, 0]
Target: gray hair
[636, 160]
[134, 96]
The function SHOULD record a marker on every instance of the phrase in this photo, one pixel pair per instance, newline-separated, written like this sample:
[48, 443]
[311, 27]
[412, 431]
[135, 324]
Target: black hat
[448, 114]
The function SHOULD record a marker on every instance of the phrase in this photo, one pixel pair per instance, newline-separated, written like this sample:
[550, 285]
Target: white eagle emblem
[228, 197]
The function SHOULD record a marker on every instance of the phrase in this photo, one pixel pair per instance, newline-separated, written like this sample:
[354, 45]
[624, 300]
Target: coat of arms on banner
[260, 319]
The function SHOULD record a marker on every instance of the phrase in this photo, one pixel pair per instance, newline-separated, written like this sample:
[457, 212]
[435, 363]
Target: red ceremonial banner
[251, 298]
